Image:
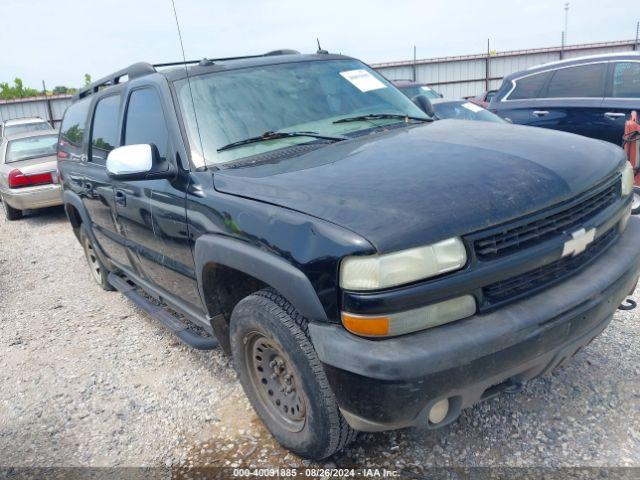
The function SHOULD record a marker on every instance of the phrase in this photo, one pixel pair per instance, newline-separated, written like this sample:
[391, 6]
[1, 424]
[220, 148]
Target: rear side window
[580, 81]
[529, 87]
[72, 130]
[626, 80]
[145, 121]
[104, 132]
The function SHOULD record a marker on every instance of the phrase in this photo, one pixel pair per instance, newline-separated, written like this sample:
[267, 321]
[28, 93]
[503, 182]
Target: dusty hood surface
[413, 186]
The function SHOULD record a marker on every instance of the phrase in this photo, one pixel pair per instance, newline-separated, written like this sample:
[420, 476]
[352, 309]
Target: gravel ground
[88, 379]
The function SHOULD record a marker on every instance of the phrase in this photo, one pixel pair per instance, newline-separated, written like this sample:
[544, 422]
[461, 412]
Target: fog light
[439, 411]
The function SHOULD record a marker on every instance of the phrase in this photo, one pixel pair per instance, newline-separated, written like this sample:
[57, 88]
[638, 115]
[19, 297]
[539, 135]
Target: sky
[59, 41]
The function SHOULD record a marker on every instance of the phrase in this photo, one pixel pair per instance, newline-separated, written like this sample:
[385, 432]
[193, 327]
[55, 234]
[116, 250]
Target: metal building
[467, 75]
[50, 108]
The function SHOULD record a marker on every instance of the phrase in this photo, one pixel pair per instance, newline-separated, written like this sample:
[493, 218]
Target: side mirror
[425, 105]
[137, 162]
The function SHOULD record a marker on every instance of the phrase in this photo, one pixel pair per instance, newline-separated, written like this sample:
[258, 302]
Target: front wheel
[283, 377]
[635, 201]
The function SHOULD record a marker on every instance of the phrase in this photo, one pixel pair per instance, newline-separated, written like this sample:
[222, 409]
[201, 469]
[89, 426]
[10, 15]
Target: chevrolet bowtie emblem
[580, 240]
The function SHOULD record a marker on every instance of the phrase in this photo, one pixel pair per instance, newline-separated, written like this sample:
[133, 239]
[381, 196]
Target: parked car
[483, 99]
[590, 96]
[21, 125]
[462, 110]
[411, 89]
[28, 175]
[365, 267]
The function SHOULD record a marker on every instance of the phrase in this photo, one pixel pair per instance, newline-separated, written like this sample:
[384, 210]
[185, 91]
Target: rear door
[98, 187]
[88, 179]
[622, 97]
[571, 101]
[522, 99]
[152, 212]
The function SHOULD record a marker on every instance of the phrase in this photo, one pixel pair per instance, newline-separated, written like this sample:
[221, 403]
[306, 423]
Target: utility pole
[486, 72]
[566, 17]
[47, 102]
[414, 63]
[635, 45]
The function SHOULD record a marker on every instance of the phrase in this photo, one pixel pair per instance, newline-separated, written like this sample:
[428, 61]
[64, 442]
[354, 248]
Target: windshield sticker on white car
[472, 106]
[425, 88]
[363, 80]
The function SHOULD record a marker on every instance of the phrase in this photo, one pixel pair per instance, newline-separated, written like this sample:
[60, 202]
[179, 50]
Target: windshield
[31, 147]
[303, 96]
[415, 90]
[464, 111]
[25, 127]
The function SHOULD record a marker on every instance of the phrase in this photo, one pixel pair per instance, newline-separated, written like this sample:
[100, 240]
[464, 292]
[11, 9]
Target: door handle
[540, 113]
[614, 115]
[121, 198]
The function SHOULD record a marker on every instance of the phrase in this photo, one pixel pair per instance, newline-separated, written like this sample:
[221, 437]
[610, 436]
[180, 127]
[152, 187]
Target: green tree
[87, 79]
[17, 90]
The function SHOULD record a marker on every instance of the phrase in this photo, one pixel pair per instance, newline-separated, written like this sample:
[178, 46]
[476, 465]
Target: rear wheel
[283, 377]
[10, 212]
[98, 272]
[635, 201]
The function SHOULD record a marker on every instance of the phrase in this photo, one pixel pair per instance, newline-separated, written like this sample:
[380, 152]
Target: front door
[152, 213]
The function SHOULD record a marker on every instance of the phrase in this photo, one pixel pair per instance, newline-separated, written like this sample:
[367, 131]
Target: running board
[178, 327]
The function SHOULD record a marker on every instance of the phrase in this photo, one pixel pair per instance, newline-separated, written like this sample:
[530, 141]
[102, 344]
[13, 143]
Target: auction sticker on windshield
[473, 107]
[363, 80]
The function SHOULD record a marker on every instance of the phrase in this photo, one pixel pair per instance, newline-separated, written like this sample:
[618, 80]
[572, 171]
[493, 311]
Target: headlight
[383, 271]
[627, 179]
[411, 320]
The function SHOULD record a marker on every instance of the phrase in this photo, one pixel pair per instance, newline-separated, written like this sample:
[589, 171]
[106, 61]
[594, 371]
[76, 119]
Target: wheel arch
[242, 268]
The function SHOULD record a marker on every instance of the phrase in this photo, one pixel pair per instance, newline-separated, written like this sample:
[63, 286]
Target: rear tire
[98, 271]
[10, 212]
[635, 201]
[283, 377]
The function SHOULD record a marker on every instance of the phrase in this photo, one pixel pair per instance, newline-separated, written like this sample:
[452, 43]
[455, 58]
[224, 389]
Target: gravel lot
[88, 379]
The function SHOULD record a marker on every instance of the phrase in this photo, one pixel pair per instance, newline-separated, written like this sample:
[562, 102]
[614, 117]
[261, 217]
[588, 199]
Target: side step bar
[179, 328]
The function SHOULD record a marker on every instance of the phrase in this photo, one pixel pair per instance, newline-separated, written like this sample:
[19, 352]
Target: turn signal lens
[411, 320]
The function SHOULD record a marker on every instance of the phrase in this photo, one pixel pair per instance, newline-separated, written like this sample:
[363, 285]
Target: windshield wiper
[380, 116]
[276, 135]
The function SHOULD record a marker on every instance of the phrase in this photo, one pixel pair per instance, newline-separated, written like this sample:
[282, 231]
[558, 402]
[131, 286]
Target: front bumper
[33, 197]
[393, 383]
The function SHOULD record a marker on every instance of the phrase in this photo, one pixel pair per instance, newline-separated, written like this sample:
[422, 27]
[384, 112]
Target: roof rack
[141, 69]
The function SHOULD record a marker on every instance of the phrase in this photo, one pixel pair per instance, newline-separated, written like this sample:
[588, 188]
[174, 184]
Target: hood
[417, 185]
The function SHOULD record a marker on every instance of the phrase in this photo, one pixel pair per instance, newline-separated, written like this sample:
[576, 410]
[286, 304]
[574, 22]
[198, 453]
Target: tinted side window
[145, 121]
[72, 130]
[581, 81]
[626, 80]
[104, 132]
[529, 87]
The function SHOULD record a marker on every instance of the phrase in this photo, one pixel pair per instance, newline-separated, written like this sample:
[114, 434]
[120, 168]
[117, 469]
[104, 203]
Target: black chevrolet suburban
[366, 268]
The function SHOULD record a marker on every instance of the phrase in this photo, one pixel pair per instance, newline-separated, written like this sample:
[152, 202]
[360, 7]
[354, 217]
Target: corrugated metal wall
[466, 75]
[52, 108]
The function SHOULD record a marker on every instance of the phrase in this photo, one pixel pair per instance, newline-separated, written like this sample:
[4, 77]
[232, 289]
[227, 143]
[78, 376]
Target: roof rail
[141, 69]
[133, 71]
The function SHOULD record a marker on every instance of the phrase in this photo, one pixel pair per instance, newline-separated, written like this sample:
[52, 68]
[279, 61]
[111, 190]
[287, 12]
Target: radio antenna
[320, 50]
[186, 72]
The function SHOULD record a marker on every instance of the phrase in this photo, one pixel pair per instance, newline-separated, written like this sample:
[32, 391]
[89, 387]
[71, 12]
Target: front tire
[98, 271]
[283, 377]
